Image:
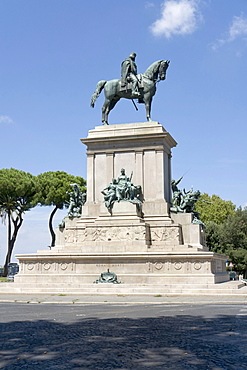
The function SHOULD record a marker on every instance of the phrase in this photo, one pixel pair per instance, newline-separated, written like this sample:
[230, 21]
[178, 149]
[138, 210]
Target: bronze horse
[147, 87]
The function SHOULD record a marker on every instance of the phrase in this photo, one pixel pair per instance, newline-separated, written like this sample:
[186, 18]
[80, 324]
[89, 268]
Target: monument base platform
[150, 251]
[229, 288]
[66, 271]
[151, 256]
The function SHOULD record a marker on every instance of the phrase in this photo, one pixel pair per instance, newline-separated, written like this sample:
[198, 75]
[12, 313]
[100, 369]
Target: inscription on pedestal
[110, 264]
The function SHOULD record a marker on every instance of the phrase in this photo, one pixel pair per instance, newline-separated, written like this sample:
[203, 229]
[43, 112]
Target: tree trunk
[11, 239]
[53, 235]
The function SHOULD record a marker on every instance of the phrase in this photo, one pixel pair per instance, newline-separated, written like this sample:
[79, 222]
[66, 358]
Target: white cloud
[178, 17]
[237, 29]
[5, 119]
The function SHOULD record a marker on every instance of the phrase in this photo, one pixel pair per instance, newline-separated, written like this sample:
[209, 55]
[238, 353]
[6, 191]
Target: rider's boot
[135, 91]
[136, 94]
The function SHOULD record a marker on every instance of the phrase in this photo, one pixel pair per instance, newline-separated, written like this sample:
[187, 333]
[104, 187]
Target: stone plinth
[142, 148]
[131, 268]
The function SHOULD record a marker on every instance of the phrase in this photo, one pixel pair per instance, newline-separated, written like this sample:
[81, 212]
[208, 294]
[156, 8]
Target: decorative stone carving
[47, 266]
[177, 265]
[64, 266]
[107, 233]
[168, 234]
[82, 234]
[100, 234]
[158, 265]
[70, 236]
[30, 266]
[197, 265]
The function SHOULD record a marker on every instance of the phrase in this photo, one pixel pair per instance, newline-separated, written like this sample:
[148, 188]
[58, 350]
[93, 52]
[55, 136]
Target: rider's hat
[133, 55]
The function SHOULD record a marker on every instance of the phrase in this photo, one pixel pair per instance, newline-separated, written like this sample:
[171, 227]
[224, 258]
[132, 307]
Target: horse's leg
[113, 102]
[148, 102]
[107, 107]
[105, 111]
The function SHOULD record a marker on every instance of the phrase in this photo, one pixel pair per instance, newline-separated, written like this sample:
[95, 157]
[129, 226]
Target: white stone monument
[152, 251]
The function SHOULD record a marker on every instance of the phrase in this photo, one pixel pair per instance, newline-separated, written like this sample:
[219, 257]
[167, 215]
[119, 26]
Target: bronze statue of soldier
[129, 74]
[117, 89]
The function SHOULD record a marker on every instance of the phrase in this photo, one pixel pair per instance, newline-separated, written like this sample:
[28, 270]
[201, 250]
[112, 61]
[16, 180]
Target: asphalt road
[130, 336]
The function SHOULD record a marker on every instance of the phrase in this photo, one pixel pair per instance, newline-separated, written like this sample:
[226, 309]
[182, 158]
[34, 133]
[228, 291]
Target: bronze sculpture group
[185, 201]
[122, 189]
[76, 201]
[131, 86]
[107, 277]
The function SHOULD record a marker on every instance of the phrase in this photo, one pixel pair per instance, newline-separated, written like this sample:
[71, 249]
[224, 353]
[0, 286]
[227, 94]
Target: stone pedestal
[143, 148]
[154, 251]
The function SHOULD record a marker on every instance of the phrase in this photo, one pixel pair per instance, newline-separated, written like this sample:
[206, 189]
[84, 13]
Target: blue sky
[53, 52]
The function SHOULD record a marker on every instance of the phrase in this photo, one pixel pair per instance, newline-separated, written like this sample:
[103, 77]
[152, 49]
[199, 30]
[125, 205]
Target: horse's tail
[99, 87]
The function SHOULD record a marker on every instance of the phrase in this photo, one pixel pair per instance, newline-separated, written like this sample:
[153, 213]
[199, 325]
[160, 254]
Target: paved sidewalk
[121, 299]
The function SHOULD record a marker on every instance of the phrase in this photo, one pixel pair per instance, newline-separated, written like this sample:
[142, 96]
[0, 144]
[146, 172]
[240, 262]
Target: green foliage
[53, 191]
[213, 232]
[235, 230]
[216, 211]
[53, 188]
[17, 190]
[17, 195]
[20, 191]
[230, 238]
[239, 259]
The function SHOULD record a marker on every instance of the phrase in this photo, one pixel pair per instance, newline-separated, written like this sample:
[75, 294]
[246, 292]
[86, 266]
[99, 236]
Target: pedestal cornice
[124, 133]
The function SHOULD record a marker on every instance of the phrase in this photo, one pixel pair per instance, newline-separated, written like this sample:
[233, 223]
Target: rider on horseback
[113, 91]
[129, 72]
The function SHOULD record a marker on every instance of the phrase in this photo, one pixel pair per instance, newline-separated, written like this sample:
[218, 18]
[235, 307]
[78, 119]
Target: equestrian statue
[131, 86]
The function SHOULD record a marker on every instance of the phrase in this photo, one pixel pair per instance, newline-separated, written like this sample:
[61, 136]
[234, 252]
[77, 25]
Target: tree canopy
[230, 238]
[20, 191]
[17, 195]
[226, 229]
[53, 187]
[53, 191]
[214, 209]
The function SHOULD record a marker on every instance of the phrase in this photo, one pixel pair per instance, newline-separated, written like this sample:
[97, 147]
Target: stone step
[231, 288]
[221, 286]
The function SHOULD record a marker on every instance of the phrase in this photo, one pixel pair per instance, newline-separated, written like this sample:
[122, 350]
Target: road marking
[242, 312]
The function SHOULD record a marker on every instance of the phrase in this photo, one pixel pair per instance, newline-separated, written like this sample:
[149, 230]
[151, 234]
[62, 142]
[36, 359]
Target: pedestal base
[149, 252]
[50, 270]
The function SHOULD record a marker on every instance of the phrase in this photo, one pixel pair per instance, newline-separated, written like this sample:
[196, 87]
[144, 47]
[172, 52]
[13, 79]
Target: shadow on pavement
[180, 342]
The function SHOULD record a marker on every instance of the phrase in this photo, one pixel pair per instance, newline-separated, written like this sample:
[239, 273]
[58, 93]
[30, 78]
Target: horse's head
[157, 70]
[162, 69]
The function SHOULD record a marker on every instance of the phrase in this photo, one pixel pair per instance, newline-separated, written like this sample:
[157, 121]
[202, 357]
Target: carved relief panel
[168, 234]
